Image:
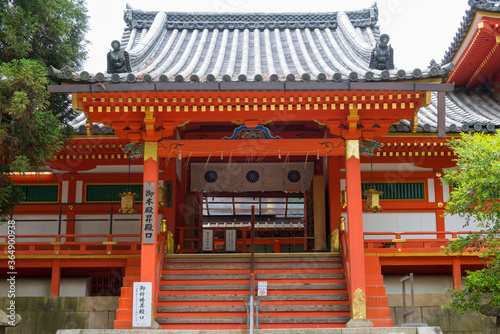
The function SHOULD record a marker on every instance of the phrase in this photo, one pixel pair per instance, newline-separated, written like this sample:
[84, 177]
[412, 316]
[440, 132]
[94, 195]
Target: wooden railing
[406, 242]
[344, 247]
[61, 246]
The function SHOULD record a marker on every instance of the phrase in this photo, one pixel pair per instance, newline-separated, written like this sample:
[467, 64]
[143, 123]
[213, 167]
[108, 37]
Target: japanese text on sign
[142, 304]
[149, 213]
[208, 240]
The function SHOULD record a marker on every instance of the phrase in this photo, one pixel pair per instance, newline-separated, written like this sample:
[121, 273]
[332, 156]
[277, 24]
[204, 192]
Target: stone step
[232, 266]
[201, 320]
[285, 276]
[304, 308]
[304, 320]
[289, 286]
[214, 297]
[303, 297]
[203, 277]
[202, 308]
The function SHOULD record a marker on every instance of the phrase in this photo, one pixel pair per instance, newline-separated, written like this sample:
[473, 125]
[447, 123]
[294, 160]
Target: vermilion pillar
[334, 192]
[55, 284]
[355, 231]
[148, 246]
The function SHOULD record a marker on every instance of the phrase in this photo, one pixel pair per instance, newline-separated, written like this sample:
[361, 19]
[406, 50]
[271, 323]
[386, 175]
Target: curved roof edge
[492, 6]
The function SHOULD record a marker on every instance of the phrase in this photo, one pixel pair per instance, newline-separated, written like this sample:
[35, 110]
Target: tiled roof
[482, 5]
[466, 111]
[255, 47]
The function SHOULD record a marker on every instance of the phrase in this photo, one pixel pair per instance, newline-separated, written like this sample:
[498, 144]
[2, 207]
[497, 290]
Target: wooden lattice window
[40, 193]
[398, 190]
[109, 192]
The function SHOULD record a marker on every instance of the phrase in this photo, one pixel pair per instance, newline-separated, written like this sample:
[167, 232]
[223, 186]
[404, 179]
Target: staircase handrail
[344, 246]
[160, 260]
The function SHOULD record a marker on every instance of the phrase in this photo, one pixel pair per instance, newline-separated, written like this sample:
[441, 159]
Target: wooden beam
[260, 147]
[441, 130]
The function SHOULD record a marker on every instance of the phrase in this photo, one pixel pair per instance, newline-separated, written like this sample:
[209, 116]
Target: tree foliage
[33, 124]
[476, 197]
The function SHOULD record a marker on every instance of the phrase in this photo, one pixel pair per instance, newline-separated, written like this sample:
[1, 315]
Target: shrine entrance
[219, 209]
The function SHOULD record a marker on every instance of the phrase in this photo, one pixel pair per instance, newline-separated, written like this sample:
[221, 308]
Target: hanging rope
[262, 156]
[208, 159]
[186, 164]
[371, 168]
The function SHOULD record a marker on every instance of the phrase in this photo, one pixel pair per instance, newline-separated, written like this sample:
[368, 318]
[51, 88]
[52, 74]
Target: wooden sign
[141, 305]
[149, 213]
[230, 241]
[208, 240]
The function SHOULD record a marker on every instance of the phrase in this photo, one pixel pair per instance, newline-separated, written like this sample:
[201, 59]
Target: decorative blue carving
[252, 176]
[367, 148]
[259, 132]
[211, 176]
[293, 176]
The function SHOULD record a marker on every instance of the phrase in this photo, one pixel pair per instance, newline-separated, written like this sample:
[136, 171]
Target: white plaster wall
[423, 284]
[398, 222]
[27, 287]
[122, 224]
[75, 287]
[25, 225]
[457, 223]
[40, 287]
[64, 191]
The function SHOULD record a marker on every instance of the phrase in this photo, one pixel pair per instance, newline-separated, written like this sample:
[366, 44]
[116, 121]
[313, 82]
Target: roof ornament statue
[118, 59]
[382, 55]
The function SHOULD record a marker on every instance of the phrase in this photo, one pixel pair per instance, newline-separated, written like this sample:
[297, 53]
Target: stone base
[359, 323]
[414, 325]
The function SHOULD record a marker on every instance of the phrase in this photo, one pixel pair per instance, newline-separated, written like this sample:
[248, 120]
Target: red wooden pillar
[55, 283]
[457, 273]
[70, 214]
[169, 212]
[440, 222]
[334, 192]
[355, 234]
[148, 247]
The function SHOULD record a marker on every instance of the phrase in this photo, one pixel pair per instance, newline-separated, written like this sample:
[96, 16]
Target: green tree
[476, 197]
[33, 124]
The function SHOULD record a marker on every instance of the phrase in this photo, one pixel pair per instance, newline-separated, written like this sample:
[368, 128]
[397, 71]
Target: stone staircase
[209, 291]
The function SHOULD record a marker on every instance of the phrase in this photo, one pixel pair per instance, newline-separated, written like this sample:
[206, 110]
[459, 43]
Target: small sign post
[262, 288]
[208, 240]
[230, 241]
[141, 313]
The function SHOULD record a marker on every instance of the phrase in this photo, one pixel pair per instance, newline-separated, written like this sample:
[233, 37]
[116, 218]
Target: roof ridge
[251, 20]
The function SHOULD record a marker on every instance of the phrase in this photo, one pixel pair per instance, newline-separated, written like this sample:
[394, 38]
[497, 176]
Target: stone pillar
[355, 237]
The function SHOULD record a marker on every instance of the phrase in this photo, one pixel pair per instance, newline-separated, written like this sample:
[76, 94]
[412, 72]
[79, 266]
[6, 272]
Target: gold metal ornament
[358, 305]
[128, 202]
[163, 226]
[161, 196]
[342, 224]
[343, 198]
[335, 241]
[372, 199]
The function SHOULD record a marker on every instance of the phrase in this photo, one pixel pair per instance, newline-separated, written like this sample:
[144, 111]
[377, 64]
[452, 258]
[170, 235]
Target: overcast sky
[419, 30]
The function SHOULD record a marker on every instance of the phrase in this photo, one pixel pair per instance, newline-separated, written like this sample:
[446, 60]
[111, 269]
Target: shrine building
[221, 153]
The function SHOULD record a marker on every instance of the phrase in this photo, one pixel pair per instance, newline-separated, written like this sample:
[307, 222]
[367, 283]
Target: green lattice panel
[398, 190]
[40, 193]
[109, 192]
